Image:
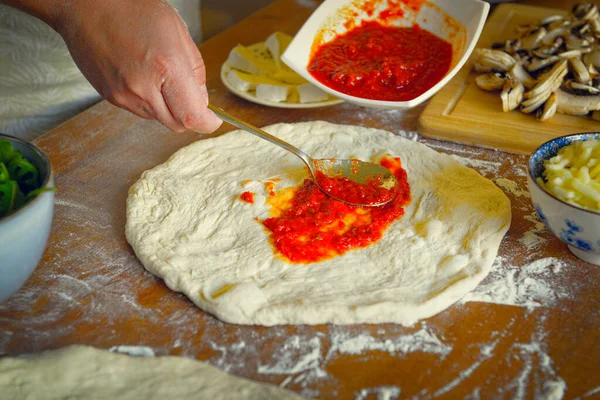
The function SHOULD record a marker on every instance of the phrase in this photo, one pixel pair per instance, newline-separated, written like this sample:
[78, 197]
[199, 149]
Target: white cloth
[40, 85]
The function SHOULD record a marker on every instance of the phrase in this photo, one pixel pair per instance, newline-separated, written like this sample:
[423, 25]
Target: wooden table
[91, 289]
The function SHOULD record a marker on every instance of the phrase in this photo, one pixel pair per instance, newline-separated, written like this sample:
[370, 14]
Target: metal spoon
[357, 171]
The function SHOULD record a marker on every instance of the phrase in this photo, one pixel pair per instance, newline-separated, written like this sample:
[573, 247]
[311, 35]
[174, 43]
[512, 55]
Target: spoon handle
[261, 134]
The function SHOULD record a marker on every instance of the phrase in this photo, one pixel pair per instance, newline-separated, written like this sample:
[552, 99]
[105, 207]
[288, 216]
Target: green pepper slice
[24, 173]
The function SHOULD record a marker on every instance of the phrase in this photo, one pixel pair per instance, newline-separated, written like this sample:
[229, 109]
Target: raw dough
[187, 224]
[80, 372]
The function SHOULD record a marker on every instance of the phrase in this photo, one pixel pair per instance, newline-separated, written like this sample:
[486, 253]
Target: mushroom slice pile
[550, 67]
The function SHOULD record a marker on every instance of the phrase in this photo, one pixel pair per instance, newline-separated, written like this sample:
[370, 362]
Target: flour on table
[86, 372]
[136, 351]
[381, 393]
[186, 223]
[512, 187]
[422, 340]
[531, 238]
[533, 285]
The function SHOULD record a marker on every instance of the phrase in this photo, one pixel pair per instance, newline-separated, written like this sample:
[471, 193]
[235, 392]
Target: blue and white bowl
[577, 227]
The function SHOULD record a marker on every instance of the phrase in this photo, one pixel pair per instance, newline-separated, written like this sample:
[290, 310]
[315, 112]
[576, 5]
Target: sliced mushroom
[552, 19]
[553, 35]
[490, 82]
[581, 89]
[487, 60]
[595, 25]
[518, 72]
[537, 64]
[546, 51]
[592, 58]
[533, 39]
[578, 69]
[572, 104]
[575, 52]
[532, 104]
[585, 11]
[558, 24]
[532, 69]
[592, 71]
[548, 110]
[509, 46]
[549, 80]
[573, 42]
[512, 94]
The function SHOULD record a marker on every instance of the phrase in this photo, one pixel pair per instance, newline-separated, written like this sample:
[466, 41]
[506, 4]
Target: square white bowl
[458, 21]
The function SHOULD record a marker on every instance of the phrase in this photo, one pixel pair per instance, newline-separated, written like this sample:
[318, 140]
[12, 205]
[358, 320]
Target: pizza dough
[80, 372]
[187, 224]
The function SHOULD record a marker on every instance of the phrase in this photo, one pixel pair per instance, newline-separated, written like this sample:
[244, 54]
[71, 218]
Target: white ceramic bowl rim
[48, 176]
[568, 139]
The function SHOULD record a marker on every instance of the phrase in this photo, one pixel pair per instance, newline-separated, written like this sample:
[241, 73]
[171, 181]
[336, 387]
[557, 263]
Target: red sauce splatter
[352, 192]
[248, 197]
[311, 226]
[379, 62]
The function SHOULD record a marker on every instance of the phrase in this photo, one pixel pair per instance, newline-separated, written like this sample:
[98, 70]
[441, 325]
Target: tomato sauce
[311, 226]
[352, 192]
[382, 62]
[248, 197]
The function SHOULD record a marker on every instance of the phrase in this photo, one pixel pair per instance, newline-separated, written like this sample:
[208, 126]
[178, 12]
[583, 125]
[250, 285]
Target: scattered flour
[531, 239]
[382, 393]
[136, 351]
[589, 394]
[422, 340]
[512, 187]
[530, 286]
[552, 386]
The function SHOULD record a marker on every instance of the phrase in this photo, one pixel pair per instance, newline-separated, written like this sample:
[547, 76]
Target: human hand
[139, 55]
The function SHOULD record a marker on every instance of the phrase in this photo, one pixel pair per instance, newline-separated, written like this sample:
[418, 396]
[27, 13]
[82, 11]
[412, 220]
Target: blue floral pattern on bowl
[568, 235]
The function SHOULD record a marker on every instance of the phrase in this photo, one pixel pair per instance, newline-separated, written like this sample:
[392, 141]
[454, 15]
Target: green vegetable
[19, 179]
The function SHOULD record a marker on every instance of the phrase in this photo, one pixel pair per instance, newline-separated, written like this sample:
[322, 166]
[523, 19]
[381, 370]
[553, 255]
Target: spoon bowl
[355, 182]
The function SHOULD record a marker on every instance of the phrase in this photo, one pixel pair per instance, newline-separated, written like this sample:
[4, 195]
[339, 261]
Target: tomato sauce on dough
[382, 62]
[248, 197]
[344, 188]
[310, 226]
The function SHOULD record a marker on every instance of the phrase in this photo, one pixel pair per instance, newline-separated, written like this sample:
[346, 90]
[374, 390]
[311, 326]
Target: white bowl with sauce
[458, 22]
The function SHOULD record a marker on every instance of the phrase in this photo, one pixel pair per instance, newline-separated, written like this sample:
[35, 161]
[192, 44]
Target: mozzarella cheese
[259, 68]
[245, 82]
[273, 93]
[309, 93]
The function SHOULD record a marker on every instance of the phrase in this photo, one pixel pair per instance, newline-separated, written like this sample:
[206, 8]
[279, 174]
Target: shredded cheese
[573, 175]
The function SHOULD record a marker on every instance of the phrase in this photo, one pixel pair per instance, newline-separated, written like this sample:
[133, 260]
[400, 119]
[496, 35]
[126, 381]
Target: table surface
[531, 328]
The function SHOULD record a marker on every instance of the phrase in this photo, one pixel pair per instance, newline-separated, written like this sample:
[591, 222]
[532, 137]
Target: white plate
[225, 68]
[437, 16]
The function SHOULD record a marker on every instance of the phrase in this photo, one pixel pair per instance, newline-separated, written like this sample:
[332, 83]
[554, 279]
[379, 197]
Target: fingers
[187, 96]
[132, 103]
[187, 101]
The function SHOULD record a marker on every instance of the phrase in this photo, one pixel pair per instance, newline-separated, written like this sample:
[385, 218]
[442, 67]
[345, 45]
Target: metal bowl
[24, 233]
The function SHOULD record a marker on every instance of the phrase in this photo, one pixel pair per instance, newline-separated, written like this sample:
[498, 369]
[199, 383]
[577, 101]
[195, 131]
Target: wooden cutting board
[461, 112]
